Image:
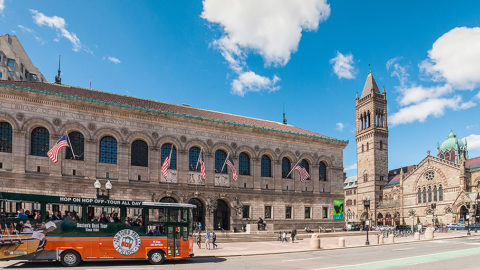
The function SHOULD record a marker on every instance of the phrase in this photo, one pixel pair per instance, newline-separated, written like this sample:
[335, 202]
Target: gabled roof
[350, 182]
[105, 98]
[393, 181]
[370, 85]
[473, 164]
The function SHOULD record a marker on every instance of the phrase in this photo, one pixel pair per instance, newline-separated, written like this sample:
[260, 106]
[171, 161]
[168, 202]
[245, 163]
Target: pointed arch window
[440, 193]
[243, 164]
[266, 166]
[419, 195]
[424, 195]
[108, 150]
[77, 142]
[365, 177]
[322, 171]
[429, 194]
[166, 148]
[286, 168]
[39, 142]
[220, 157]
[193, 154]
[435, 195]
[5, 137]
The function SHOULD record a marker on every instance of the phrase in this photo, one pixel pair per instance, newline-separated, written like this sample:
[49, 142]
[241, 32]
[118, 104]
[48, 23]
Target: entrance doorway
[463, 214]
[198, 212]
[221, 218]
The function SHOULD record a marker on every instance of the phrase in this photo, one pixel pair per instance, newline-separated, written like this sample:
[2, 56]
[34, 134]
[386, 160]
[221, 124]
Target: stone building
[125, 140]
[14, 62]
[440, 189]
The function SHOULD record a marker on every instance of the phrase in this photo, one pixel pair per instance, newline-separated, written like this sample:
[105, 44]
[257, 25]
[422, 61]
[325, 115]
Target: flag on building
[166, 164]
[231, 165]
[304, 175]
[201, 160]
[53, 153]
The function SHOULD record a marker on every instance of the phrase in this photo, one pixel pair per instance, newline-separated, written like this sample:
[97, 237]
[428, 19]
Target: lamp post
[366, 205]
[412, 214]
[98, 186]
[467, 217]
[433, 206]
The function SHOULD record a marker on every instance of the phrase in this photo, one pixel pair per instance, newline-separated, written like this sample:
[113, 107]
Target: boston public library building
[124, 140]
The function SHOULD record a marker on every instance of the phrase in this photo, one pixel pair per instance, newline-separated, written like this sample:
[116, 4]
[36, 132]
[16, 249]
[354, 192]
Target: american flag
[166, 164]
[53, 153]
[231, 165]
[304, 175]
[201, 160]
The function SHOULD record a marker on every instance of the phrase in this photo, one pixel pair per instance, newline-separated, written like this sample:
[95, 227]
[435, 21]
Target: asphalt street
[440, 254]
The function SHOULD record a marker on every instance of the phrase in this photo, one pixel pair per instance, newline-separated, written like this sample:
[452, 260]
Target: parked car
[456, 226]
[403, 228]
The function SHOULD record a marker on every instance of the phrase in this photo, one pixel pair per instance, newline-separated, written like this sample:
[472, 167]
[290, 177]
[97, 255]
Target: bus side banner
[338, 209]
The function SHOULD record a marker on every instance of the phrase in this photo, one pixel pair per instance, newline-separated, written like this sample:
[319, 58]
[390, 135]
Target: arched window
[306, 165]
[168, 200]
[419, 195]
[39, 142]
[367, 146]
[286, 168]
[266, 166]
[435, 193]
[220, 157]
[108, 150]
[166, 148]
[139, 153]
[193, 154]
[243, 164]
[441, 156]
[381, 145]
[447, 155]
[440, 193]
[424, 195]
[365, 177]
[429, 194]
[5, 137]
[322, 171]
[77, 142]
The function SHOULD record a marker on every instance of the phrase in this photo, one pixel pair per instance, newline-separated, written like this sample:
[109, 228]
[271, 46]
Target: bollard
[416, 236]
[341, 242]
[391, 240]
[429, 233]
[380, 240]
[315, 241]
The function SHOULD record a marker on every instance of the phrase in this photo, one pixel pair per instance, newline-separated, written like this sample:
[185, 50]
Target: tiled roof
[370, 85]
[393, 181]
[106, 98]
[473, 163]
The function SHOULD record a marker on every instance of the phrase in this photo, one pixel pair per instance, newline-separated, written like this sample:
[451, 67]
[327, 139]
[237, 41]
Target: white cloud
[32, 32]
[477, 96]
[416, 93]
[473, 141]
[113, 60]
[343, 66]
[351, 167]
[2, 5]
[270, 28]
[251, 82]
[59, 24]
[340, 126]
[399, 71]
[454, 58]
[433, 106]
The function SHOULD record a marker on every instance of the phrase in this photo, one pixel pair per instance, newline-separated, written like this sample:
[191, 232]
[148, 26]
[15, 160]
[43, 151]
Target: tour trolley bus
[73, 229]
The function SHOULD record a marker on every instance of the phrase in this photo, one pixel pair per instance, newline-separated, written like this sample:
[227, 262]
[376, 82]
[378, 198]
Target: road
[441, 254]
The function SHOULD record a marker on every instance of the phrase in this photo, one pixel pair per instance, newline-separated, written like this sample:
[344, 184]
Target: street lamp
[366, 205]
[433, 206]
[467, 217]
[98, 186]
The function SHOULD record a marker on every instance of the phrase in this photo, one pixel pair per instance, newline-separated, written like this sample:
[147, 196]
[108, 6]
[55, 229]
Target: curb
[327, 249]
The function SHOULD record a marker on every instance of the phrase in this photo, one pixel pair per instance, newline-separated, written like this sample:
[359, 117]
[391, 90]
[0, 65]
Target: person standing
[214, 239]
[207, 240]
[284, 237]
[294, 233]
[199, 239]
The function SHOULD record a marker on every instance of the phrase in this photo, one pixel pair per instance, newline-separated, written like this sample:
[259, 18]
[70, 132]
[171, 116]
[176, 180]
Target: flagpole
[228, 154]
[198, 159]
[293, 168]
[70, 144]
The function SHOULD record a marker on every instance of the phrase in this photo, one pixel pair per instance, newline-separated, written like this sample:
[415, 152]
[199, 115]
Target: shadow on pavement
[117, 263]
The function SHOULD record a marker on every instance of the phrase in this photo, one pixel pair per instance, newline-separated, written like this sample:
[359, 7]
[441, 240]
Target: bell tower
[372, 145]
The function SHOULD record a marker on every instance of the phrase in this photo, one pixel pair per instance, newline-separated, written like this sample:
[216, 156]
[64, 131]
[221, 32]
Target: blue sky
[251, 57]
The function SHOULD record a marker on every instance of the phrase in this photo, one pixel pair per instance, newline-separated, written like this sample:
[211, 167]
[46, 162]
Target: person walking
[207, 240]
[284, 237]
[199, 239]
[214, 239]
[294, 233]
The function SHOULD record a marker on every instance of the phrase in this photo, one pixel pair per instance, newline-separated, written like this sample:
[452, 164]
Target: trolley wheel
[156, 256]
[70, 258]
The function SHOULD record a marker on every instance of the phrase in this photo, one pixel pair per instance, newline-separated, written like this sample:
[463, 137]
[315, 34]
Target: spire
[370, 84]
[58, 79]
[284, 119]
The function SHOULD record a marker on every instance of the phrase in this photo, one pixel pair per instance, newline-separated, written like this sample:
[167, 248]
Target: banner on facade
[338, 209]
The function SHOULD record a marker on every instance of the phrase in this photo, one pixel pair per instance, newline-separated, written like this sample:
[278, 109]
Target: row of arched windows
[139, 153]
[428, 194]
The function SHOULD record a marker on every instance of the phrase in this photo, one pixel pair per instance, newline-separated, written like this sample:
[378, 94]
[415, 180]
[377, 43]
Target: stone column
[257, 179]
[314, 176]
[91, 158]
[277, 173]
[210, 169]
[154, 164]
[182, 166]
[123, 162]
[19, 151]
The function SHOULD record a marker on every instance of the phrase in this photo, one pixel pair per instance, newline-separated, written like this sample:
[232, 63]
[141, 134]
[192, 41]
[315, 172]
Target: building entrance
[221, 218]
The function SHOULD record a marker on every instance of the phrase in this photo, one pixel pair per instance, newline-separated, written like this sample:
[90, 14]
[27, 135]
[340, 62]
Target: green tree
[436, 221]
[418, 220]
[403, 221]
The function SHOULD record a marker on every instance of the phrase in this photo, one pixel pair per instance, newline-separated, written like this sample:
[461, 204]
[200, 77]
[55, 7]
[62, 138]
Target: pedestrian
[294, 233]
[199, 239]
[284, 237]
[207, 240]
[214, 239]
[199, 226]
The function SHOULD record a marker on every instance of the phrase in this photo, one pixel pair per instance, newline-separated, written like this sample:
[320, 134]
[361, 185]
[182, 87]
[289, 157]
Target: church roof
[370, 85]
[128, 102]
[393, 181]
[452, 142]
[473, 164]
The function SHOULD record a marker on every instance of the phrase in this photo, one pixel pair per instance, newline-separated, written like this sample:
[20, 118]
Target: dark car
[403, 228]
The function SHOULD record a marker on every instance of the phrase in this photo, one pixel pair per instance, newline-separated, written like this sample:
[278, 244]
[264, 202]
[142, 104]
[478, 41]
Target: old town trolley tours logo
[126, 242]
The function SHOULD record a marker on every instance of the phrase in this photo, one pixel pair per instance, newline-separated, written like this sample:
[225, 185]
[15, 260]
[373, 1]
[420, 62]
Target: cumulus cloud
[113, 60]
[270, 28]
[59, 24]
[351, 167]
[2, 5]
[343, 66]
[451, 65]
[473, 141]
[340, 126]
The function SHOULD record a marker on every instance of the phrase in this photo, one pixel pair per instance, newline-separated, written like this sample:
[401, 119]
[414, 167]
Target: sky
[252, 57]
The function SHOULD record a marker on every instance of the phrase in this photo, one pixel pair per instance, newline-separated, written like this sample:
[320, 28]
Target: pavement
[327, 242]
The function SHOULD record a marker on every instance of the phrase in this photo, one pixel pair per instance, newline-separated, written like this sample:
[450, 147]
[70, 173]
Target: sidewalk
[276, 247]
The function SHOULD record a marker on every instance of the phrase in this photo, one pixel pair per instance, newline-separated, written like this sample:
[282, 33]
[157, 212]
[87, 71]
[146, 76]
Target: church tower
[372, 146]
